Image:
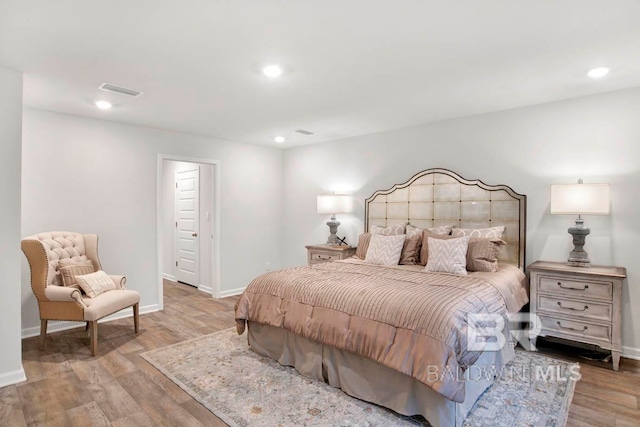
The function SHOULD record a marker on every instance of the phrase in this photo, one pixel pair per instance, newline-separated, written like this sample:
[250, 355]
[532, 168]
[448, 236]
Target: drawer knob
[586, 307]
[572, 288]
[572, 329]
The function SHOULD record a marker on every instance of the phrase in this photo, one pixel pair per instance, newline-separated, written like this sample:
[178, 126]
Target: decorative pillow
[393, 230]
[66, 262]
[491, 232]
[441, 230]
[384, 250]
[424, 250]
[95, 283]
[448, 256]
[69, 270]
[363, 245]
[411, 249]
[482, 254]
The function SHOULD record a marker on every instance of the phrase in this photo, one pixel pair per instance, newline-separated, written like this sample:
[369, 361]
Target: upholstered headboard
[439, 197]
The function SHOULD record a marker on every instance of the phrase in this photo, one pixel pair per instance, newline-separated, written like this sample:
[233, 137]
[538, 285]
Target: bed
[395, 335]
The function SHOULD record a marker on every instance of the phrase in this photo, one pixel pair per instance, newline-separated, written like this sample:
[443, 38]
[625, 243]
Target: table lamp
[334, 204]
[580, 199]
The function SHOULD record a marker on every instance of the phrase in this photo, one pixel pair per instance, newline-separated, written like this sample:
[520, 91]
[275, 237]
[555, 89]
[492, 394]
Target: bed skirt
[367, 380]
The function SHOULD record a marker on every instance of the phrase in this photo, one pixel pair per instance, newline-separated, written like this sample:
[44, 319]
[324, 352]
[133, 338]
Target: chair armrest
[119, 281]
[64, 294]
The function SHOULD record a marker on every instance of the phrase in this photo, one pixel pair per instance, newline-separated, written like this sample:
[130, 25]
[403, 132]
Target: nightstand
[582, 304]
[323, 253]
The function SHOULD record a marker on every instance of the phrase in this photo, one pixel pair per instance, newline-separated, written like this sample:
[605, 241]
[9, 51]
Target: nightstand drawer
[319, 257]
[574, 308]
[573, 287]
[575, 328]
[324, 253]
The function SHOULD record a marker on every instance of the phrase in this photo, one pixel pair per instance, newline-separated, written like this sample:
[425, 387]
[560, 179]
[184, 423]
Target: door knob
[195, 234]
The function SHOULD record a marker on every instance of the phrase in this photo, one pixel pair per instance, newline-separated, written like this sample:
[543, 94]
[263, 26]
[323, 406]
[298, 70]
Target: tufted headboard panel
[441, 197]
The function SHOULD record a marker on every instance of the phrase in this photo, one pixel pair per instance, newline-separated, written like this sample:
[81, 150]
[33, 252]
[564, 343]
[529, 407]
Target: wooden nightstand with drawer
[582, 304]
[323, 253]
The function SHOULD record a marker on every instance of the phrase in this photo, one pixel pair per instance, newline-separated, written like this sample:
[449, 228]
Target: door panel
[187, 226]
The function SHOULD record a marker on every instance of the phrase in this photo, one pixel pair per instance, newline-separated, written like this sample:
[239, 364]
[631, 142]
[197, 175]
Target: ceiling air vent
[108, 87]
[304, 132]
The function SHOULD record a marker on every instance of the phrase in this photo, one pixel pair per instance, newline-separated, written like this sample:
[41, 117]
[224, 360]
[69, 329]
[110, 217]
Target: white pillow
[392, 230]
[95, 283]
[489, 233]
[448, 256]
[384, 250]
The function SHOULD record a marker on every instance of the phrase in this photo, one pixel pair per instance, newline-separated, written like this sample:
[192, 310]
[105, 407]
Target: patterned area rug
[245, 389]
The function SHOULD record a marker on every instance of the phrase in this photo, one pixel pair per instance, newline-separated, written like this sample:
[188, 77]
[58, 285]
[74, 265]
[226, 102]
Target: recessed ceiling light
[279, 139]
[596, 73]
[272, 70]
[103, 105]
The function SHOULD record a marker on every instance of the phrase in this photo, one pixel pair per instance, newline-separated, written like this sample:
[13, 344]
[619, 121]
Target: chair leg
[43, 332]
[86, 327]
[136, 317]
[94, 337]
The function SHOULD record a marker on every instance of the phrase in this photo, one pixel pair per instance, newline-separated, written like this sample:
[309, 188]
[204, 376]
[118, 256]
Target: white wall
[96, 176]
[596, 138]
[206, 230]
[10, 141]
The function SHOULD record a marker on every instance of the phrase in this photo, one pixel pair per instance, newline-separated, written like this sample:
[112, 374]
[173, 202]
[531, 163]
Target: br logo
[490, 331]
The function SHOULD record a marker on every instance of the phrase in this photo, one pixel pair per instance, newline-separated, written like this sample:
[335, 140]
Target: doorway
[188, 222]
[187, 235]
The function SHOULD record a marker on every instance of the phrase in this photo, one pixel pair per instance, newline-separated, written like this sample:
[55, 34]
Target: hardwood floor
[68, 387]
[602, 397]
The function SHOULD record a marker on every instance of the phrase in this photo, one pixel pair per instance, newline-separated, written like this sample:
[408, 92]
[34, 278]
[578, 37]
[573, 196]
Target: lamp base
[333, 230]
[574, 263]
[578, 257]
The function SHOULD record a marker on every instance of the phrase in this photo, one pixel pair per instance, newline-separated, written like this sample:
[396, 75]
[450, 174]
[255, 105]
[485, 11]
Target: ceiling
[350, 67]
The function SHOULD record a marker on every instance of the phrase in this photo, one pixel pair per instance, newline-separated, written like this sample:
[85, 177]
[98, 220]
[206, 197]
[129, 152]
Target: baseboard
[169, 277]
[231, 292]
[58, 325]
[12, 377]
[207, 289]
[631, 352]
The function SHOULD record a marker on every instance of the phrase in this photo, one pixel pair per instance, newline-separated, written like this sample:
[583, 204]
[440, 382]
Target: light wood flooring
[68, 387]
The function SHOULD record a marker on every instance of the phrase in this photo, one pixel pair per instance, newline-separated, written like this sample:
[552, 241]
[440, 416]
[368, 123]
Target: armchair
[57, 302]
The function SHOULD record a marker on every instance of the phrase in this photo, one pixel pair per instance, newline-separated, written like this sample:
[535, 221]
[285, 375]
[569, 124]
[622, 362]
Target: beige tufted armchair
[57, 302]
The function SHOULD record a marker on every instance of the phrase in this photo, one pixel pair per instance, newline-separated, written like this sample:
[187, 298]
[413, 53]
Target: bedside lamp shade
[334, 204]
[579, 199]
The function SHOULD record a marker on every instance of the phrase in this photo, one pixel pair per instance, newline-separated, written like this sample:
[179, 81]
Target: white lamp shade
[334, 204]
[577, 199]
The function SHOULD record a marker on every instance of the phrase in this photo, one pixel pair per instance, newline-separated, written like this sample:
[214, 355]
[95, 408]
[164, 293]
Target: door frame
[215, 262]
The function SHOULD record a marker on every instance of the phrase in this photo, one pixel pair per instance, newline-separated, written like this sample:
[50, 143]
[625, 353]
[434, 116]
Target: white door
[188, 225]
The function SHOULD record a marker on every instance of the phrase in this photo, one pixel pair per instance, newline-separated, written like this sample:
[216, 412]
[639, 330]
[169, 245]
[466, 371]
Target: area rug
[243, 388]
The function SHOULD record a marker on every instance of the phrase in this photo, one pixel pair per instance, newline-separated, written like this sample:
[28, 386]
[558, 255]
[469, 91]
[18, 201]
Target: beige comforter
[407, 320]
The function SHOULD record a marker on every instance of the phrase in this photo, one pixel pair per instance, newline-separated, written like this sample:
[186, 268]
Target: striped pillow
[95, 283]
[363, 245]
[448, 256]
[411, 249]
[384, 250]
[69, 271]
